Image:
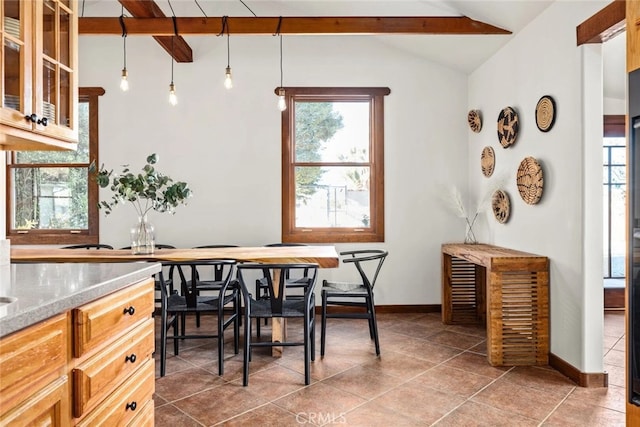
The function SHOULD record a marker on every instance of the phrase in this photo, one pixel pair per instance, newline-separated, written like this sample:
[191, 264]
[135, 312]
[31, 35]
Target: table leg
[278, 324]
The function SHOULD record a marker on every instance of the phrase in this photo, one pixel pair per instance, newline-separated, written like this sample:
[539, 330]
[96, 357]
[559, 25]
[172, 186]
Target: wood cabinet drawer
[47, 407]
[95, 323]
[29, 356]
[126, 401]
[99, 375]
[146, 417]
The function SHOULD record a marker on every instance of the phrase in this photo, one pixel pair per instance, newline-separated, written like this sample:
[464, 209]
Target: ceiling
[461, 52]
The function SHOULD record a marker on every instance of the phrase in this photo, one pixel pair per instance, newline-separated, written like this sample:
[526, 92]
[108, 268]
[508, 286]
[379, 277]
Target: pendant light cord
[124, 38]
[281, 73]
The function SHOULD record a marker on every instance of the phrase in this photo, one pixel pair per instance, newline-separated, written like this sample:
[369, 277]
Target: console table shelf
[504, 289]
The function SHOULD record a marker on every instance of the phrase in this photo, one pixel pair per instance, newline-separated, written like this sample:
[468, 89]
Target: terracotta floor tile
[476, 363]
[456, 340]
[274, 382]
[373, 415]
[612, 397]
[399, 365]
[616, 375]
[581, 413]
[185, 383]
[418, 329]
[526, 401]
[453, 381]
[268, 415]
[472, 414]
[615, 357]
[169, 415]
[364, 382]
[319, 398]
[423, 404]
[541, 378]
[219, 403]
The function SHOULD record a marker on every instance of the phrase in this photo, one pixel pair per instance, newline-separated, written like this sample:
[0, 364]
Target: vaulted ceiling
[464, 52]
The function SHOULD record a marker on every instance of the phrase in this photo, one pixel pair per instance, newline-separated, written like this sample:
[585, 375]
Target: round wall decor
[529, 180]
[501, 206]
[507, 127]
[545, 113]
[475, 121]
[487, 161]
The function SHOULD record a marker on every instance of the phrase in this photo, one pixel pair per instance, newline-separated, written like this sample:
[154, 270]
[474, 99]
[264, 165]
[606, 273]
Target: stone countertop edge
[71, 285]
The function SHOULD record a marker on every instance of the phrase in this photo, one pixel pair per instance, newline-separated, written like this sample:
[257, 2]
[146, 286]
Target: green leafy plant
[147, 190]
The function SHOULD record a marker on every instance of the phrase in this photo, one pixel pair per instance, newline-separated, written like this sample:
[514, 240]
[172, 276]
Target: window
[333, 165]
[614, 181]
[50, 197]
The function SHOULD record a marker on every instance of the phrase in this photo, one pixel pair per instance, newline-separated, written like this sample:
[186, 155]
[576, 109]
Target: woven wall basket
[545, 113]
[487, 161]
[530, 181]
[475, 120]
[508, 127]
[501, 206]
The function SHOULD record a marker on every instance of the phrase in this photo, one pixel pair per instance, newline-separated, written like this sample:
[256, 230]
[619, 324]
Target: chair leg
[246, 349]
[323, 327]
[175, 337]
[307, 351]
[236, 327]
[374, 324]
[258, 327]
[313, 334]
[221, 342]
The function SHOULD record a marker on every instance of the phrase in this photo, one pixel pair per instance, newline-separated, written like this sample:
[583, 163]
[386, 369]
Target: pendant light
[173, 98]
[124, 82]
[228, 82]
[282, 103]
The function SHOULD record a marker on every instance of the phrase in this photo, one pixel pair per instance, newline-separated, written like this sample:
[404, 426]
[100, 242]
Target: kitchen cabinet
[92, 365]
[38, 82]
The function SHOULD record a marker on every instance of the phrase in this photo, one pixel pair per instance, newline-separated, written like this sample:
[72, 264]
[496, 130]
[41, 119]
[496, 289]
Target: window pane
[605, 155]
[48, 29]
[332, 131]
[332, 197]
[605, 174]
[64, 38]
[50, 198]
[618, 223]
[618, 174]
[620, 141]
[12, 70]
[619, 155]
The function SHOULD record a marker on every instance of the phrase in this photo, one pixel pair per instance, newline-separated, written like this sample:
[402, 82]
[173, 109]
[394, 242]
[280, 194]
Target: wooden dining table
[324, 256]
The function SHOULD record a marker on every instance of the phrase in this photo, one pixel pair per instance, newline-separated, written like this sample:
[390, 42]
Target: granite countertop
[44, 290]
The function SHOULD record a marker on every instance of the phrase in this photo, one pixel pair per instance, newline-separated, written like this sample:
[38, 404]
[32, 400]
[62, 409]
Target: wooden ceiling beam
[336, 25]
[604, 25]
[178, 47]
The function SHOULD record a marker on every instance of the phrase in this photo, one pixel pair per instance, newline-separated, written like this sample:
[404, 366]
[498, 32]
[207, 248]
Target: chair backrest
[157, 246]
[89, 246]
[187, 284]
[362, 256]
[217, 270]
[277, 288]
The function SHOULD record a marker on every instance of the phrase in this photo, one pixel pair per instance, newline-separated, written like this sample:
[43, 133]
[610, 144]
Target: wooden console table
[504, 289]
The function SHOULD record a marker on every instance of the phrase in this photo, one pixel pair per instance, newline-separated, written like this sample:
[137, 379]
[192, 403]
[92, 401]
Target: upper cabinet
[38, 70]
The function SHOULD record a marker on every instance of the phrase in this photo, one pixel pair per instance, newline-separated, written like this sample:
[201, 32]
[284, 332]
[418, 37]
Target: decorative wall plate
[507, 127]
[530, 181]
[501, 206]
[487, 161]
[545, 113]
[475, 121]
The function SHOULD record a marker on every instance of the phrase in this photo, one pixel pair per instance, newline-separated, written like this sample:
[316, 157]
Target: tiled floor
[428, 374]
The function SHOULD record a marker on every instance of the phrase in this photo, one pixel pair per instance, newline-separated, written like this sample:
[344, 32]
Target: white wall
[543, 60]
[226, 145]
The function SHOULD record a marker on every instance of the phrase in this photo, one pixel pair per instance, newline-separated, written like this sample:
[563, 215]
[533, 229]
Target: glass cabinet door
[55, 68]
[16, 81]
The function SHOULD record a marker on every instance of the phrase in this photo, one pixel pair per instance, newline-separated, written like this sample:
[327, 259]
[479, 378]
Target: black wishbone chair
[223, 304]
[277, 305]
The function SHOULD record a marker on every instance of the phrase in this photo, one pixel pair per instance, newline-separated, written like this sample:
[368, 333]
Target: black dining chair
[354, 294]
[277, 305]
[298, 283]
[211, 280]
[176, 307]
[89, 246]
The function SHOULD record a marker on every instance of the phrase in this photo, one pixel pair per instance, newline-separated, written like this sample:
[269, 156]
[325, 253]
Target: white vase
[142, 237]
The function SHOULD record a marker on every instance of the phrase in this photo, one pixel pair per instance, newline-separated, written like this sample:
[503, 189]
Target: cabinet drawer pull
[129, 310]
[132, 406]
[131, 358]
[43, 121]
[31, 117]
